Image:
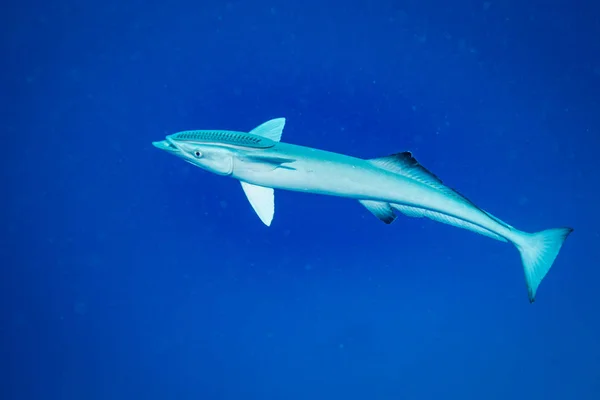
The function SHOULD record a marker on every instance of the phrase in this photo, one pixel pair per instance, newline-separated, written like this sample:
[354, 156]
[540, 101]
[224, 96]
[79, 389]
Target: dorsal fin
[406, 165]
[271, 129]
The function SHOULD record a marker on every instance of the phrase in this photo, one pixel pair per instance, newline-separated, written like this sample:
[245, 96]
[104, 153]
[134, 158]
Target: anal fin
[446, 219]
[381, 210]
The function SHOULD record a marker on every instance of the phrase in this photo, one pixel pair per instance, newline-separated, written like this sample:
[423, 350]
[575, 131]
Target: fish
[388, 186]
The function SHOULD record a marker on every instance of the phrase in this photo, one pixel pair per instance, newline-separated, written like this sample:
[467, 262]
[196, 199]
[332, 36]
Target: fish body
[386, 186]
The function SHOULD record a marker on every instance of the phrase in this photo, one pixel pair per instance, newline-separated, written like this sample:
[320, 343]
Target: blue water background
[129, 274]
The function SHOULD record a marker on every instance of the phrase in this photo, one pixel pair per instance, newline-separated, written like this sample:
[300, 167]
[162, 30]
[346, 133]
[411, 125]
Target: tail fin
[538, 252]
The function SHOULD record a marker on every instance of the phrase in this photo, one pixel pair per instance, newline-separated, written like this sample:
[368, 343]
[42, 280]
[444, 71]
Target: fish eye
[198, 154]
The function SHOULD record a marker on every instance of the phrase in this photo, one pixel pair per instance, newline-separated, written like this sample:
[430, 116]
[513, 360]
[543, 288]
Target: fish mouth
[166, 145]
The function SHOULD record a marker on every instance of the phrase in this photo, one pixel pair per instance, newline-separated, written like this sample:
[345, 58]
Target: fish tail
[538, 252]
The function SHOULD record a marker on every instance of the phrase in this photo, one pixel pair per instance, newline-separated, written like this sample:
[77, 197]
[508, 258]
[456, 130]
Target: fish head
[210, 157]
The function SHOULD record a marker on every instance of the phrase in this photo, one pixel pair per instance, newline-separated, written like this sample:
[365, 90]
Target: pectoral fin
[262, 200]
[271, 129]
[270, 162]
